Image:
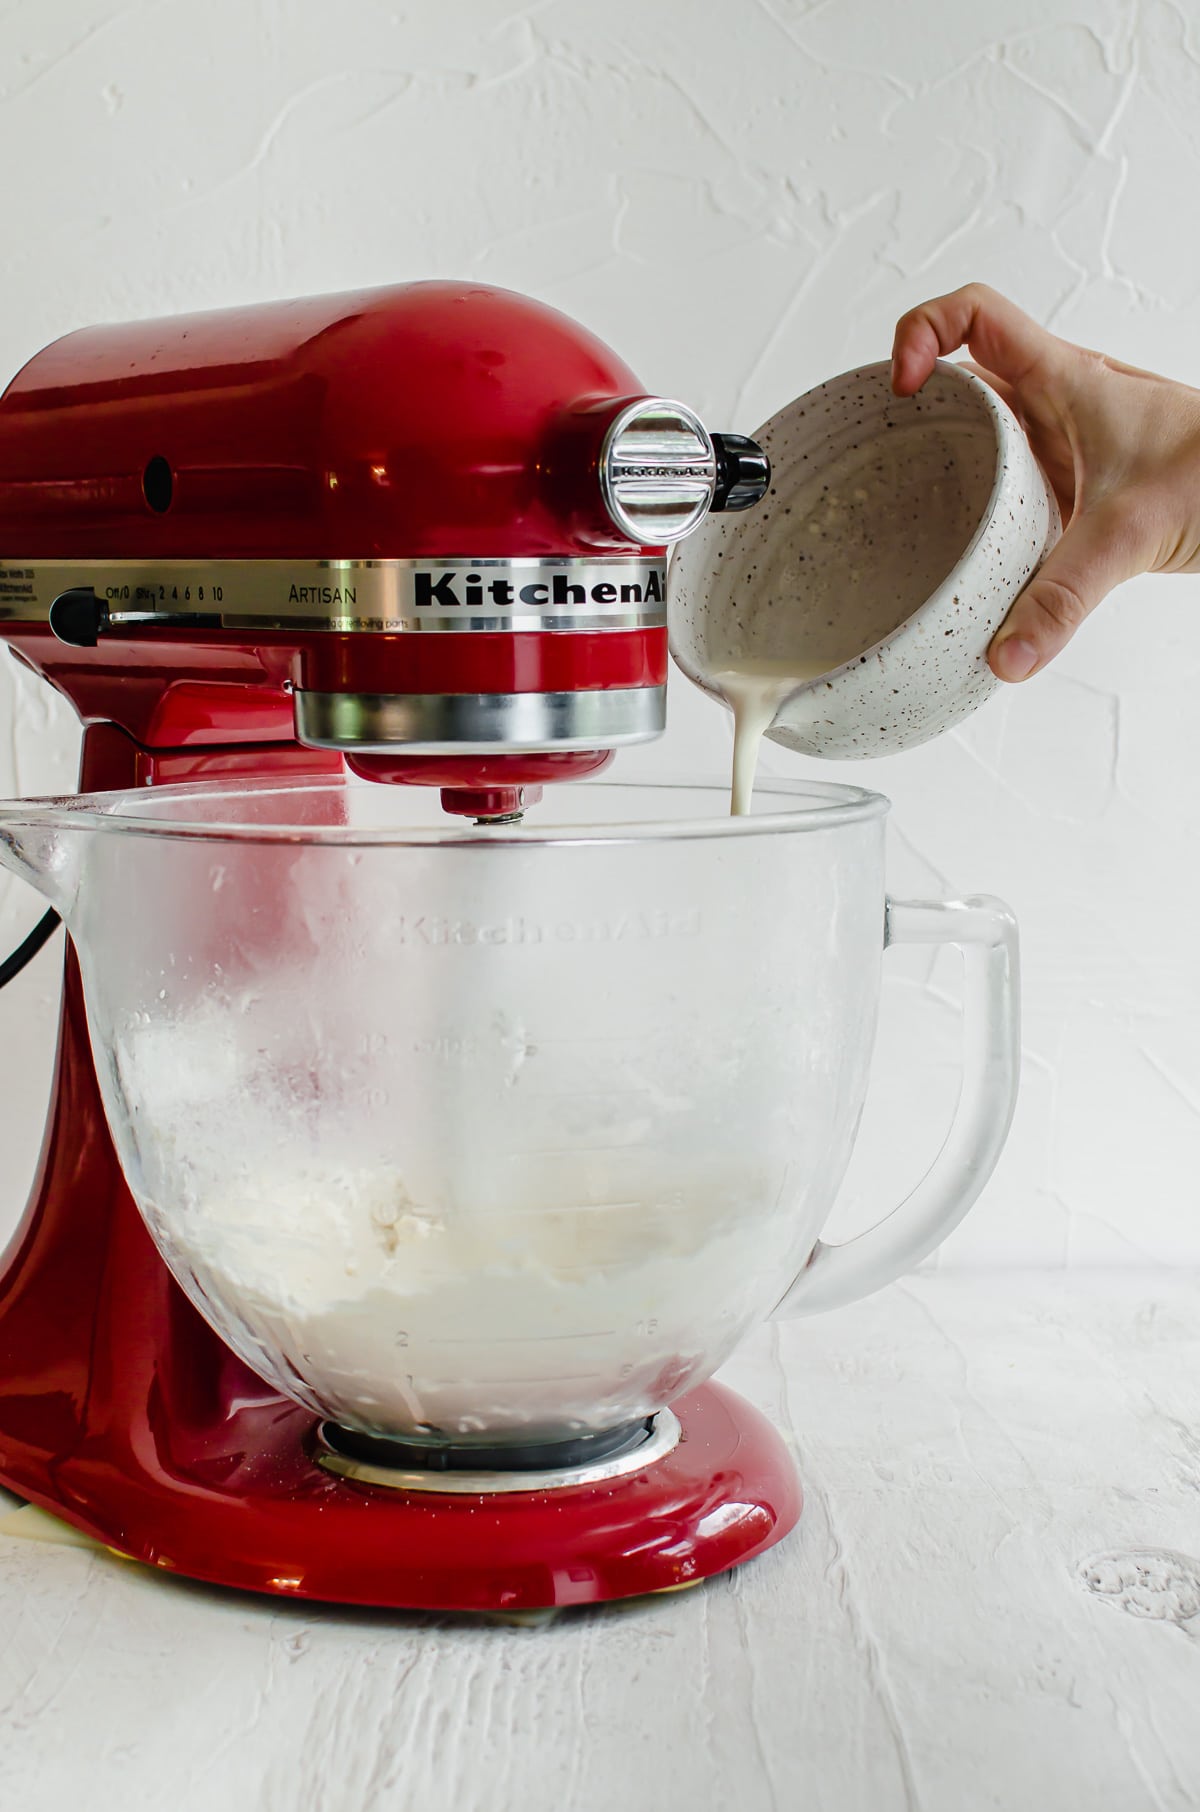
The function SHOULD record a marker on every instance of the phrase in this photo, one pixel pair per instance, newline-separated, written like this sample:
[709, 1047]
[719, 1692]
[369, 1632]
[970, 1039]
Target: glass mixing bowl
[502, 1134]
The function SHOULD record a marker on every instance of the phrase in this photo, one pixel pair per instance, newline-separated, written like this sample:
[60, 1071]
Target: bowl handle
[986, 933]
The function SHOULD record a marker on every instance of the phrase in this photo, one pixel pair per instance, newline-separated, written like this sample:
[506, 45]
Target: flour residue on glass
[429, 1270]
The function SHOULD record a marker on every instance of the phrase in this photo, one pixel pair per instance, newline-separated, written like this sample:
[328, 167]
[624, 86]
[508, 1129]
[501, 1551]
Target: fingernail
[1014, 658]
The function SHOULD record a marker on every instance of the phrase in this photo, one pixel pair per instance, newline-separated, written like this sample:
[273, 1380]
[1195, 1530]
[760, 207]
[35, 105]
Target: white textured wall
[741, 198]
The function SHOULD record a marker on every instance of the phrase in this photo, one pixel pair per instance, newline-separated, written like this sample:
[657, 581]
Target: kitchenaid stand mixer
[581, 1087]
[421, 529]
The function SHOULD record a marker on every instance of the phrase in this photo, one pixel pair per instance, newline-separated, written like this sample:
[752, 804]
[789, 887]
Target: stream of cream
[755, 690]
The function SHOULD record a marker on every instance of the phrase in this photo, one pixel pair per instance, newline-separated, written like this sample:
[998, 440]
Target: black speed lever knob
[743, 472]
[78, 616]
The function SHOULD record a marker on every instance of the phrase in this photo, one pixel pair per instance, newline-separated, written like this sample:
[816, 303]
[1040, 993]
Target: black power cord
[24, 953]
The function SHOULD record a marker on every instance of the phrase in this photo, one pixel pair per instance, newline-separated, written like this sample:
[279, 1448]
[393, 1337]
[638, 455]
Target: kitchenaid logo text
[456, 589]
[698, 469]
[630, 927]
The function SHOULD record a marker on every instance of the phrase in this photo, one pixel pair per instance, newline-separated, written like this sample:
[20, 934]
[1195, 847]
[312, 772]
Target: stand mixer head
[423, 528]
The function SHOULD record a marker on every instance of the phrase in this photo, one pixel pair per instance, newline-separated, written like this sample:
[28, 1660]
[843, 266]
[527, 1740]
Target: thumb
[1096, 552]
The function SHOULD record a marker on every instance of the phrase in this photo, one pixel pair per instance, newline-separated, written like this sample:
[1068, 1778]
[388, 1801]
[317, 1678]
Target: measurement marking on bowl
[499, 1380]
[571, 1208]
[537, 1378]
[633, 1039]
[583, 1271]
[578, 1151]
[588, 1094]
[518, 1339]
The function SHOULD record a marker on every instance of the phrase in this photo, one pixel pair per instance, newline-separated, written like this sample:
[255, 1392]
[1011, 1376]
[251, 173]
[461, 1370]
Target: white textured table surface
[993, 1600]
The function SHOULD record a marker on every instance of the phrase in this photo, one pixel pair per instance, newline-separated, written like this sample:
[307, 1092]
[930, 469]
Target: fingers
[1098, 551]
[1000, 336]
[915, 350]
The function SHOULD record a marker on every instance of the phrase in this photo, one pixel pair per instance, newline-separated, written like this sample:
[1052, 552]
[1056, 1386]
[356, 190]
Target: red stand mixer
[420, 531]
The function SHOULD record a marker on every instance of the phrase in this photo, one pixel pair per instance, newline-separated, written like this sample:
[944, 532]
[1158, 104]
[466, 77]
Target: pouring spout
[35, 845]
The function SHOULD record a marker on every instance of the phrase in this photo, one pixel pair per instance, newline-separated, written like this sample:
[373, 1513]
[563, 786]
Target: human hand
[1121, 447]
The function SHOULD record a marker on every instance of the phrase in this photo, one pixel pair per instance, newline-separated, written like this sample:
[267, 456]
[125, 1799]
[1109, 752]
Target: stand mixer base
[271, 1519]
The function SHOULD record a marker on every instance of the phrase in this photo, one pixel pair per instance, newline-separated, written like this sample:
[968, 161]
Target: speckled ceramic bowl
[896, 534]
